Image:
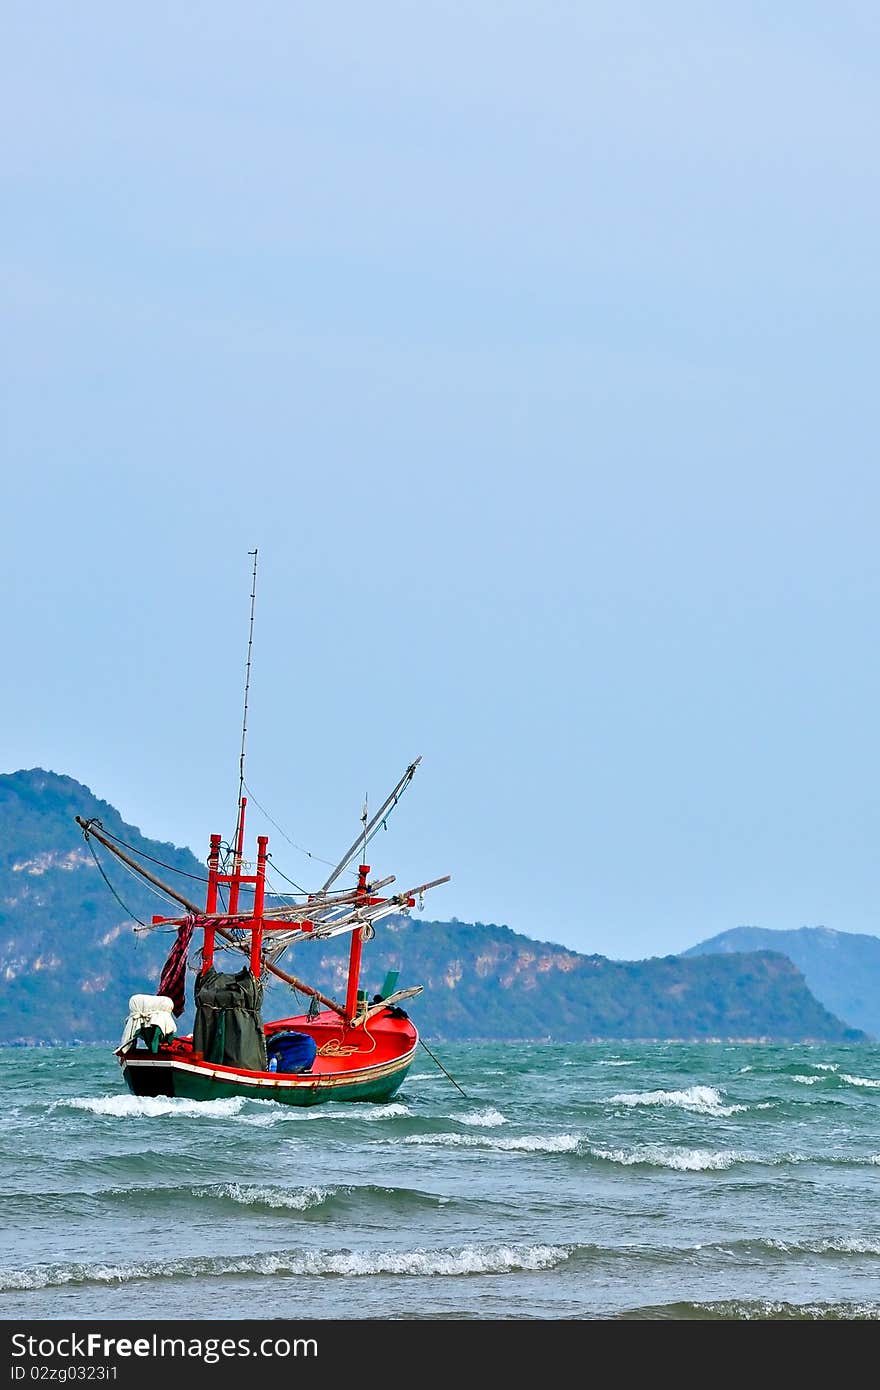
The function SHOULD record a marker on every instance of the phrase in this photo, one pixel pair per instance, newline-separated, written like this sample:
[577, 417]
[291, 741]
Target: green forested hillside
[69, 958]
[841, 968]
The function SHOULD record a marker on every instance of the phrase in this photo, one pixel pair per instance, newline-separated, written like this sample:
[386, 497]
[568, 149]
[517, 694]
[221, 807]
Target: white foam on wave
[682, 1160]
[468, 1259]
[703, 1100]
[390, 1110]
[696, 1160]
[609, 1062]
[424, 1076]
[525, 1143]
[302, 1199]
[843, 1245]
[488, 1118]
[744, 1310]
[828, 1069]
[139, 1107]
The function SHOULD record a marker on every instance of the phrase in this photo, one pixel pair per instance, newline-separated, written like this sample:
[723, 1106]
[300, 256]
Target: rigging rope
[334, 1048]
[443, 1069]
[142, 854]
[126, 909]
[145, 883]
[307, 852]
[291, 881]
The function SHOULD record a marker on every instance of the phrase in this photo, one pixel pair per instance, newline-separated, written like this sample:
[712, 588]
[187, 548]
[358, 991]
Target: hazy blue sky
[535, 346]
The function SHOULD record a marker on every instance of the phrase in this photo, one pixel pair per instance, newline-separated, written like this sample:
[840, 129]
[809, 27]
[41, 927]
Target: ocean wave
[140, 1107]
[489, 1117]
[312, 1199]
[243, 1110]
[682, 1160]
[280, 1198]
[696, 1160]
[388, 1110]
[525, 1143]
[841, 1245]
[831, 1074]
[748, 1309]
[465, 1260]
[825, 1066]
[173, 1199]
[613, 1062]
[702, 1100]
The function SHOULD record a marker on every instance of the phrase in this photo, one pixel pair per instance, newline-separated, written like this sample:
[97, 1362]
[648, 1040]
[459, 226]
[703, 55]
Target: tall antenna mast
[247, 685]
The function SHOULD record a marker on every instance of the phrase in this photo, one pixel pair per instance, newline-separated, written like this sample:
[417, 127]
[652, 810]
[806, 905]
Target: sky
[534, 346]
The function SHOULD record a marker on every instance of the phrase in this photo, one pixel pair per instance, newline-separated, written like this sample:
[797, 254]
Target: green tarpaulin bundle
[229, 1025]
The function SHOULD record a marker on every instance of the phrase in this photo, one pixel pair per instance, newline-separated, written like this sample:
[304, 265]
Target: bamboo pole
[366, 833]
[88, 828]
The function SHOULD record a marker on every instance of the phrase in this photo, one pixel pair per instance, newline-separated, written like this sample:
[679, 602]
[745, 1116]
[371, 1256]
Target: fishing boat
[359, 1048]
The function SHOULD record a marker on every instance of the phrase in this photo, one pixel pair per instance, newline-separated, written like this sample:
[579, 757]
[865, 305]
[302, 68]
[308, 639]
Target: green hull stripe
[189, 1084]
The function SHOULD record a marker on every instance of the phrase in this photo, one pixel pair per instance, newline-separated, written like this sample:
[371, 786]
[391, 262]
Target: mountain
[841, 968]
[486, 981]
[69, 959]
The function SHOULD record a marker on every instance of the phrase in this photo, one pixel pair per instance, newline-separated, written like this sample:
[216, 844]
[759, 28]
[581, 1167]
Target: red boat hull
[367, 1063]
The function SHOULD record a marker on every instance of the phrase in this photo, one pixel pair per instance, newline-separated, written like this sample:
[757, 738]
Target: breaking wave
[289, 1199]
[140, 1107]
[745, 1309]
[703, 1100]
[836, 1078]
[841, 1245]
[489, 1118]
[389, 1110]
[683, 1160]
[703, 1160]
[525, 1143]
[313, 1199]
[466, 1260]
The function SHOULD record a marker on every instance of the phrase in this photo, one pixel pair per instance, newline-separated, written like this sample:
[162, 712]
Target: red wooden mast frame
[256, 924]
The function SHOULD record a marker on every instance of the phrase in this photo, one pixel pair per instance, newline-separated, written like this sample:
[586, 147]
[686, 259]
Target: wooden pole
[354, 955]
[259, 895]
[211, 902]
[368, 829]
[235, 886]
[88, 829]
[306, 989]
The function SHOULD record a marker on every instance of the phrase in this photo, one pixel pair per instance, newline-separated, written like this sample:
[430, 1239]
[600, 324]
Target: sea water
[570, 1182]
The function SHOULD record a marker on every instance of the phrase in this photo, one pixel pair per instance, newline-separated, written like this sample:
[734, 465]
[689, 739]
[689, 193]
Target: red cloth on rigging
[173, 978]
